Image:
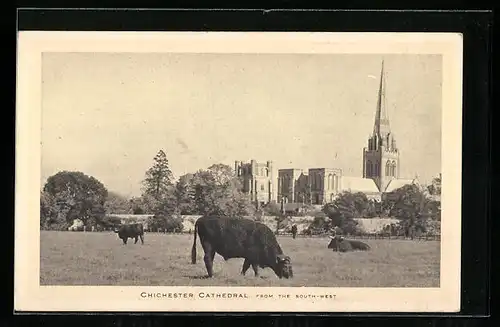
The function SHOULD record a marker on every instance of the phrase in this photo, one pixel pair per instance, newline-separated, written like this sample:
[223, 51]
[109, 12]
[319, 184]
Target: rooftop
[359, 184]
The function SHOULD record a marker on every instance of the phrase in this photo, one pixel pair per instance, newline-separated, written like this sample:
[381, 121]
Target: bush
[319, 225]
[110, 221]
[170, 224]
[271, 209]
[173, 225]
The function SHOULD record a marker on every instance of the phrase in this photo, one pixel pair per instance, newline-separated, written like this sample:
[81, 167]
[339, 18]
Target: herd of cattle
[241, 238]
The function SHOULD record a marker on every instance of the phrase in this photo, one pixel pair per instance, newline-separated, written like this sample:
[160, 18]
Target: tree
[158, 178]
[136, 205]
[352, 205]
[414, 208]
[272, 209]
[346, 207]
[435, 187]
[185, 195]
[49, 214]
[217, 191]
[158, 189]
[76, 196]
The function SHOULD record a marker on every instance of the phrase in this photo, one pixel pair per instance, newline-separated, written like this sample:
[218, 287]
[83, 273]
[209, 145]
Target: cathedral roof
[358, 184]
[397, 183]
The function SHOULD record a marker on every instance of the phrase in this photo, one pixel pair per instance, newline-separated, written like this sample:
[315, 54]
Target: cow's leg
[255, 268]
[124, 240]
[209, 257]
[136, 239]
[142, 238]
[246, 265]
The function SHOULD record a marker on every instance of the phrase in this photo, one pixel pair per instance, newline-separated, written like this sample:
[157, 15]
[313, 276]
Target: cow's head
[284, 266]
[335, 240]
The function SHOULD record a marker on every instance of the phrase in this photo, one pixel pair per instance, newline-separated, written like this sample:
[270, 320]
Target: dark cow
[340, 244]
[240, 238]
[294, 231]
[131, 231]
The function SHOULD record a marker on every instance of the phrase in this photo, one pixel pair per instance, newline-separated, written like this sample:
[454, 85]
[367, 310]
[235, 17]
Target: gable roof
[397, 183]
[358, 184]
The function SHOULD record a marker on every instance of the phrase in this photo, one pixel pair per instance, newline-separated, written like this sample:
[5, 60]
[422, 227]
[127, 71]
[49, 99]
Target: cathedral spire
[381, 127]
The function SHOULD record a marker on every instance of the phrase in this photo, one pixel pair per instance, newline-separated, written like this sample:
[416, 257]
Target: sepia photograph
[239, 171]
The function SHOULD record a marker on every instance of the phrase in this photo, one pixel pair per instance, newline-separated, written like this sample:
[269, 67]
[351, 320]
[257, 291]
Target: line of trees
[413, 205]
[73, 195]
[216, 190]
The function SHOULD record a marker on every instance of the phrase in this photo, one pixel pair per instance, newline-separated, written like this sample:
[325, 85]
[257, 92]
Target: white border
[30, 296]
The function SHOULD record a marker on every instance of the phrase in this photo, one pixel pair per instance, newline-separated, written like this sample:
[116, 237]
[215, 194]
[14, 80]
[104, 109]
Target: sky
[108, 114]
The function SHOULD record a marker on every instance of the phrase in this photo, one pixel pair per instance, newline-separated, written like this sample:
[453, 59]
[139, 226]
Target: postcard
[238, 172]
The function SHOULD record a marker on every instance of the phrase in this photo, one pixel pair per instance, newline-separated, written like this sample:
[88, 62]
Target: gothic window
[393, 168]
[262, 187]
[336, 183]
[368, 168]
[330, 181]
[320, 186]
[388, 168]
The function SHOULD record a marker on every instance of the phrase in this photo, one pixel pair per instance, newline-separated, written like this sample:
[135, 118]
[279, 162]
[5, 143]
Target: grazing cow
[294, 231]
[130, 231]
[340, 244]
[240, 238]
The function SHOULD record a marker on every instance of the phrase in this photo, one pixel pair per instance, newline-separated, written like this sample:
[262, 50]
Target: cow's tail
[193, 250]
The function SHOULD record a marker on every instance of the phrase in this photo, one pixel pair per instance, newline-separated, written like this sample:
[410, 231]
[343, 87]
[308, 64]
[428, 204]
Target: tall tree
[158, 178]
[158, 188]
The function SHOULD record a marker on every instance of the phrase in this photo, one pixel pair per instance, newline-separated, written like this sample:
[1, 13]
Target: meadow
[100, 258]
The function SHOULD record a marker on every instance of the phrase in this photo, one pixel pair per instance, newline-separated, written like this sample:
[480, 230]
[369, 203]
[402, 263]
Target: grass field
[77, 258]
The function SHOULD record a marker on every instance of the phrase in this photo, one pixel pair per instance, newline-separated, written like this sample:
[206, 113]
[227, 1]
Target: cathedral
[318, 186]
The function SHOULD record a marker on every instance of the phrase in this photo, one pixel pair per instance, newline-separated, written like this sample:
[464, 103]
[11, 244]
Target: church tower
[381, 157]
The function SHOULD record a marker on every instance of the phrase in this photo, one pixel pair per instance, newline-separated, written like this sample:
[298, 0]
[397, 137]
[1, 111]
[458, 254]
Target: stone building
[257, 180]
[381, 157]
[325, 184]
[287, 185]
